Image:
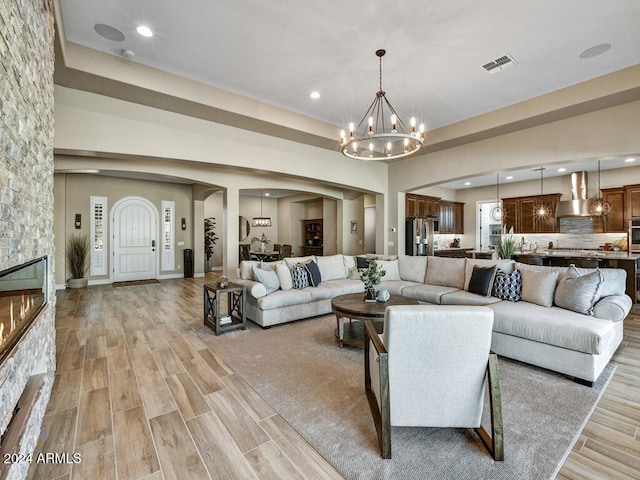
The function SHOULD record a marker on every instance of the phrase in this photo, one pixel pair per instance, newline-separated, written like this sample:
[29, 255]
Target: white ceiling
[279, 52]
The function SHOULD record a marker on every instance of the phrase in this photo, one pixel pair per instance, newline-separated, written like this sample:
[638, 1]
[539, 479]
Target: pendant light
[599, 207]
[261, 221]
[541, 209]
[497, 212]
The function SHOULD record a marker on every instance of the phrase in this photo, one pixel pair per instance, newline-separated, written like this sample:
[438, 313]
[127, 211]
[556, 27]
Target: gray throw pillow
[579, 294]
[269, 278]
[538, 287]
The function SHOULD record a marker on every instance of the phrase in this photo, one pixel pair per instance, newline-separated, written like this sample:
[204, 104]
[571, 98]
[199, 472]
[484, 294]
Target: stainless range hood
[578, 206]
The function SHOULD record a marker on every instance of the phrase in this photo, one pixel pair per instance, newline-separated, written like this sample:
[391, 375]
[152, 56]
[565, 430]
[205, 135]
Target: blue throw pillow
[299, 277]
[267, 277]
[314, 273]
[508, 286]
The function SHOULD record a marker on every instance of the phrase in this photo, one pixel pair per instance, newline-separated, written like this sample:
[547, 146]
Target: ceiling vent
[499, 64]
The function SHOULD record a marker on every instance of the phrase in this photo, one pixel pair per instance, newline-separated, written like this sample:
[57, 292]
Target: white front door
[134, 240]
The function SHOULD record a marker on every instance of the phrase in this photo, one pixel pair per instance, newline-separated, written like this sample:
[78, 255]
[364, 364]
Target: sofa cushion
[281, 299]
[347, 286]
[267, 277]
[427, 293]
[331, 267]
[349, 261]
[413, 268]
[324, 291]
[580, 293]
[481, 281]
[446, 272]
[554, 326]
[508, 286]
[314, 273]
[506, 266]
[462, 297]
[538, 286]
[291, 261]
[299, 277]
[284, 275]
[391, 269]
[396, 286]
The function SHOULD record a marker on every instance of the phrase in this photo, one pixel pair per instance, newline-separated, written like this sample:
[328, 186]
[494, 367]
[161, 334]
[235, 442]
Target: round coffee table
[354, 307]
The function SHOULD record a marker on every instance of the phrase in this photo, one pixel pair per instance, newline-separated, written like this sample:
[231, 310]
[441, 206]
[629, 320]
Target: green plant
[210, 237]
[372, 275]
[507, 246]
[78, 255]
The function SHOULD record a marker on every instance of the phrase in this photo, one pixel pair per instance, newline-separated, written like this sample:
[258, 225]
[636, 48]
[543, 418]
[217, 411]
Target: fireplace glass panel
[23, 294]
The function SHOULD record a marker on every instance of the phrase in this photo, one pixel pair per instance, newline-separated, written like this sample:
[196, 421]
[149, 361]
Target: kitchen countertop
[581, 254]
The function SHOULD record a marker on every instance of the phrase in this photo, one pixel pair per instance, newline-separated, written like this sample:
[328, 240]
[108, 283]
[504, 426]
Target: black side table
[235, 317]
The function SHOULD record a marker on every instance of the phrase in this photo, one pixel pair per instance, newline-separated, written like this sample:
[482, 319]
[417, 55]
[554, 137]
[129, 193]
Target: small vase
[262, 247]
[370, 295]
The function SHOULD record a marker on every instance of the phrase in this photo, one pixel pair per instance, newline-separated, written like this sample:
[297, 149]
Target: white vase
[262, 247]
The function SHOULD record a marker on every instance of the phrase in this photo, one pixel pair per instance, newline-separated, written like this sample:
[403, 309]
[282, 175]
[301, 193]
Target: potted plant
[507, 246]
[263, 241]
[371, 276]
[210, 239]
[78, 260]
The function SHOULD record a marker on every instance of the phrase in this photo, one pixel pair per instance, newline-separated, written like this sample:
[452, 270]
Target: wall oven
[634, 235]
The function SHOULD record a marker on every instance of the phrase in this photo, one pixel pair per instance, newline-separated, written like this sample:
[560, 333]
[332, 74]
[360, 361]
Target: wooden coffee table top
[353, 305]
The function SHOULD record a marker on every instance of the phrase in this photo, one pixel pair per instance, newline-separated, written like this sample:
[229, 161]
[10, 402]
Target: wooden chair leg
[495, 442]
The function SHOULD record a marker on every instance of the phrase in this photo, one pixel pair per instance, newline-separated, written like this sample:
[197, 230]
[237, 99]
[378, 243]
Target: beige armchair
[429, 369]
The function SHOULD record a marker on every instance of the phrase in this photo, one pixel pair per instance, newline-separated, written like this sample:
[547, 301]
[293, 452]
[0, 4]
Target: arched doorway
[135, 226]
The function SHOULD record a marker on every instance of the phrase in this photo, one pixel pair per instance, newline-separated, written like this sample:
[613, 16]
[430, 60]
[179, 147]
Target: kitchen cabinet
[312, 237]
[616, 220]
[421, 206]
[451, 217]
[632, 201]
[519, 213]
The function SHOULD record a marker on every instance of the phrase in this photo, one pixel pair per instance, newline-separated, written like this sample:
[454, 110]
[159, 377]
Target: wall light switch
[180, 244]
[359, 242]
[391, 243]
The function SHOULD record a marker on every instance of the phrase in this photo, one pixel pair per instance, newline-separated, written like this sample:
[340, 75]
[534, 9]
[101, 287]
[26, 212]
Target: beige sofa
[551, 337]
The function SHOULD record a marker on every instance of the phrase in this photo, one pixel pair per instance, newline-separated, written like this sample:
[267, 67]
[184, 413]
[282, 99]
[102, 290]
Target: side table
[235, 316]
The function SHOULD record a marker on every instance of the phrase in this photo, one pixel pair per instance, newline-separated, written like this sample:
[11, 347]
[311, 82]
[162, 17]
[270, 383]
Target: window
[168, 250]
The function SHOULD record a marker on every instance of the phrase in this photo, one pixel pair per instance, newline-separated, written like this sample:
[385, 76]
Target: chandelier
[599, 207]
[497, 213]
[261, 221]
[541, 209]
[372, 139]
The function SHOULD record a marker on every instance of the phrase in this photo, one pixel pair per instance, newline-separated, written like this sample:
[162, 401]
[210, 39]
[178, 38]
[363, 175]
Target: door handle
[153, 245]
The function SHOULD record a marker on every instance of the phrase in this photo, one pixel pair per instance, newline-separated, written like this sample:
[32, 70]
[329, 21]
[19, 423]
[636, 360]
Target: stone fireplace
[27, 367]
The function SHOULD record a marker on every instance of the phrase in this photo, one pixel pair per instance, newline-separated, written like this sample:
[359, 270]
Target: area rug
[319, 389]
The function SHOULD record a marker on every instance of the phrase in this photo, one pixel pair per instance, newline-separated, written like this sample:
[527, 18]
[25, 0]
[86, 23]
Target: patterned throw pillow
[508, 286]
[299, 277]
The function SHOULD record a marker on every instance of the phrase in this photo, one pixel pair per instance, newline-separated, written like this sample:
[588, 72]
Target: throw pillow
[314, 273]
[538, 287]
[579, 294]
[299, 277]
[331, 267]
[481, 281]
[362, 262]
[269, 278]
[508, 286]
[391, 267]
[284, 275]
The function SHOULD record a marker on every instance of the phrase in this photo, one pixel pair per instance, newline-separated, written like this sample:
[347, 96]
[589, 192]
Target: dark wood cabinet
[312, 237]
[421, 206]
[451, 217]
[520, 213]
[615, 221]
[632, 200]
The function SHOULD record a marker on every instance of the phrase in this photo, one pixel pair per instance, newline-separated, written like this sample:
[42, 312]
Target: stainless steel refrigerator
[418, 235]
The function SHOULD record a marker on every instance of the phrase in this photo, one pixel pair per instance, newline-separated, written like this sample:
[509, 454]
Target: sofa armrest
[613, 307]
[255, 289]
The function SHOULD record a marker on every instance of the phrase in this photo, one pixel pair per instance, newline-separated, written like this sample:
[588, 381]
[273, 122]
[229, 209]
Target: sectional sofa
[549, 326]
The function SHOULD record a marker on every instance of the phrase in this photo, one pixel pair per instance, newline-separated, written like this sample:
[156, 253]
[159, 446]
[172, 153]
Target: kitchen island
[588, 259]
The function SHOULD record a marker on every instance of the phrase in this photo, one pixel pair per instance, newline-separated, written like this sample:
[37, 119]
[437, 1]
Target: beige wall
[72, 194]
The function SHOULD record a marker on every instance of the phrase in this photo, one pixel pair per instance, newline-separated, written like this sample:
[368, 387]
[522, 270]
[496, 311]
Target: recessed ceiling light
[510, 177]
[144, 31]
[108, 32]
[467, 183]
[562, 169]
[315, 95]
[267, 194]
[595, 50]
[629, 160]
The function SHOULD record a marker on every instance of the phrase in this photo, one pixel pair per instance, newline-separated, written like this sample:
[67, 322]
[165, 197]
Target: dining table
[265, 256]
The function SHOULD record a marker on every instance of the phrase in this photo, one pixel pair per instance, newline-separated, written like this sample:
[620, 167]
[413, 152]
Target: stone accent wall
[26, 194]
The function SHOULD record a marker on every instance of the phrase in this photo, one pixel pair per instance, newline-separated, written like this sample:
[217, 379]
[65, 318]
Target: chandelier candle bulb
[413, 124]
[351, 129]
[394, 123]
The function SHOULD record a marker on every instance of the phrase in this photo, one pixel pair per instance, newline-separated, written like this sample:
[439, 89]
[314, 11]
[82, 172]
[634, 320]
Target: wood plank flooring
[139, 395]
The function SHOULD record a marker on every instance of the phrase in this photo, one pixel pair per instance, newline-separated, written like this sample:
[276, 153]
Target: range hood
[578, 206]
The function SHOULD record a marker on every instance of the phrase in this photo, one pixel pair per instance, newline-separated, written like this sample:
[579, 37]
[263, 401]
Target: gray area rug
[319, 389]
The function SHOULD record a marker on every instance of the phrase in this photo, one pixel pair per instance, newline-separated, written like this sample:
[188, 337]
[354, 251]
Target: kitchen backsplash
[560, 240]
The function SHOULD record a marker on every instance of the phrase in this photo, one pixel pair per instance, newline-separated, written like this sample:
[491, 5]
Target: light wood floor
[139, 394]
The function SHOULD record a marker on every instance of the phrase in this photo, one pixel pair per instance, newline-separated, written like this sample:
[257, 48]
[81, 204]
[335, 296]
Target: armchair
[429, 369]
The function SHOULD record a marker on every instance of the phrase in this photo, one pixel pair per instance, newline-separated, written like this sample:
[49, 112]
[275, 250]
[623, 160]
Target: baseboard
[104, 281]
[170, 276]
[198, 275]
